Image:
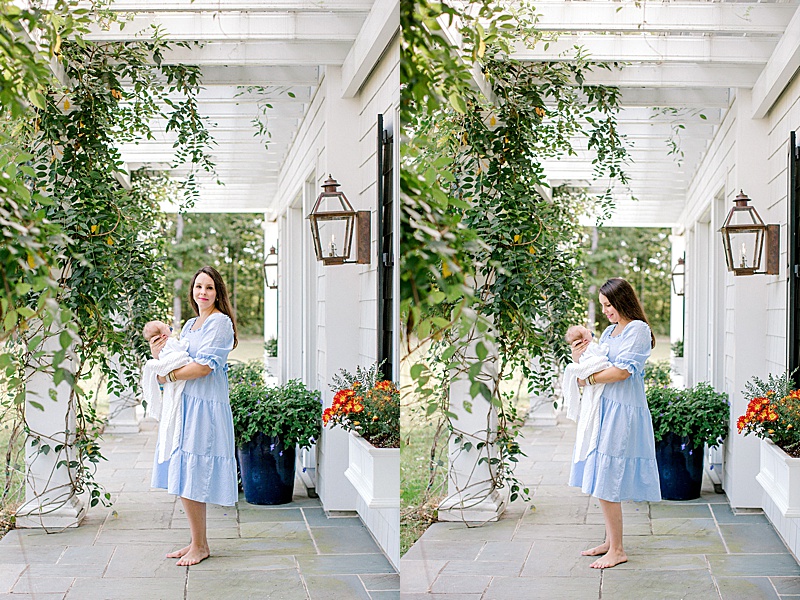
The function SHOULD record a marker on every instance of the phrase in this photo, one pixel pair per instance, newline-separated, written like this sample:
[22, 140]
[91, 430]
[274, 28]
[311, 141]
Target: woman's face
[204, 292]
[609, 311]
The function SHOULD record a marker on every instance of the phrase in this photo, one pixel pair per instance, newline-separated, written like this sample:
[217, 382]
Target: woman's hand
[157, 343]
[161, 380]
[577, 348]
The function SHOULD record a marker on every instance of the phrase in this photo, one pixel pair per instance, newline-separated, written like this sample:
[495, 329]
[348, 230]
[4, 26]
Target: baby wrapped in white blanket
[165, 406]
[583, 406]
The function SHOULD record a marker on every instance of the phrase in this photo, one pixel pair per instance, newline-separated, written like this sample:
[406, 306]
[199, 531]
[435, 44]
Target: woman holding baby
[622, 464]
[202, 468]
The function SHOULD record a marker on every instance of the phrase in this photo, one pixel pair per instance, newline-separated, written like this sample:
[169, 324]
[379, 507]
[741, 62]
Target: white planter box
[780, 477]
[375, 473]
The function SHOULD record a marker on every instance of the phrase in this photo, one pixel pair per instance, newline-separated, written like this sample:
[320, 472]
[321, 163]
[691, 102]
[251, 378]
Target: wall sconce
[679, 277]
[334, 219]
[745, 235]
[271, 269]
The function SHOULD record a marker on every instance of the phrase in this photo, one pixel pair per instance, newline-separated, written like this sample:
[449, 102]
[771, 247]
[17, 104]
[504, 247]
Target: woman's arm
[609, 375]
[192, 370]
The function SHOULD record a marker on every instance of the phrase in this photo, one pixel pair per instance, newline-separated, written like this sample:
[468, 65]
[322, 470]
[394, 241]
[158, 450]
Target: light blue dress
[203, 468]
[623, 466]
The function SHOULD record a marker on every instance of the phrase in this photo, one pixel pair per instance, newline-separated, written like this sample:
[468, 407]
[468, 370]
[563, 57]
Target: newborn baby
[164, 403]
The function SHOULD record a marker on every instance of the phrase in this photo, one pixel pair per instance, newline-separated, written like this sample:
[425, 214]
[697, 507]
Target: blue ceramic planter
[267, 469]
[680, 468]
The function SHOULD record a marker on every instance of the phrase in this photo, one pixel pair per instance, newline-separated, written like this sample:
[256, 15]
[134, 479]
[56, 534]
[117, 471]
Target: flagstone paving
[694, 550]
[288, 552]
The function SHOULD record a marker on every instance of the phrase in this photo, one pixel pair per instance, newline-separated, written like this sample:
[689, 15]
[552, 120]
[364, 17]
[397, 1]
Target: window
[385, 246]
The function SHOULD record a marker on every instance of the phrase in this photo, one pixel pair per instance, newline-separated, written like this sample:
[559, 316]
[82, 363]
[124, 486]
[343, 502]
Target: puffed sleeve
[634, 348]
[216, 341]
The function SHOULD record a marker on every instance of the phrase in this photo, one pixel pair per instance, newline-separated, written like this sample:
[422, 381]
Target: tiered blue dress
[623, 466]
[203, 468]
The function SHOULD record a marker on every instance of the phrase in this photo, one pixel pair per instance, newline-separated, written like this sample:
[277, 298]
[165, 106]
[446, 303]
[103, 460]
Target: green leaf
[457, 102]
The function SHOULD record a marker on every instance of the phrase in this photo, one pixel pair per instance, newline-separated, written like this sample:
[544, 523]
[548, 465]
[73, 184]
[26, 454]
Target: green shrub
[290, 411]
[700, 413]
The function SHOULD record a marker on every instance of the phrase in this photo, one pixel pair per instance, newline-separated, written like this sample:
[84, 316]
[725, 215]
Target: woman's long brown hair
[221, 302]
[622, 297]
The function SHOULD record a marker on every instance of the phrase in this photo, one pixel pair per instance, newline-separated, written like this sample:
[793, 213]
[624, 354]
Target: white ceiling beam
[259, 54]
[687, 97]
[251, 6]
[231, 76]
[652, 48]
[231, 27]
[677, 75]
[679, 17]
[379, 29]
[781, 67]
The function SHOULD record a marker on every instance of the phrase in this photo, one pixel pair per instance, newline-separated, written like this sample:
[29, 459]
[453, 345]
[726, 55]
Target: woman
[623, 464]
[203, 468]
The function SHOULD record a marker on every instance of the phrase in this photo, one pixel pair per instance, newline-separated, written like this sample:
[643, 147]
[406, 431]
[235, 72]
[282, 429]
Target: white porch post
[678, 313]
[747, 312]
[122, 415]
[271, 297]
[50, 501]
[471, 493]
[340, 337]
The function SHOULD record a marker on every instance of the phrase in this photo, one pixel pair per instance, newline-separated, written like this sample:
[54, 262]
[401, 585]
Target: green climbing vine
[490, 252]
[83, 248]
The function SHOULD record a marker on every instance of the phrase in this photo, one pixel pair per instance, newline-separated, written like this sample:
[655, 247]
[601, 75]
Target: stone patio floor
[694, 550]
[287, 552]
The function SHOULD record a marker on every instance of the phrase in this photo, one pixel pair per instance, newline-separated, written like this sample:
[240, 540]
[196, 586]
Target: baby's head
[578, 332]
[156, 328]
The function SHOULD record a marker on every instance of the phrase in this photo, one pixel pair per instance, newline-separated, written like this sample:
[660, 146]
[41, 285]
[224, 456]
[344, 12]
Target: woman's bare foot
[193, 557]
[597, 550]
[180, 552]
[611, 559]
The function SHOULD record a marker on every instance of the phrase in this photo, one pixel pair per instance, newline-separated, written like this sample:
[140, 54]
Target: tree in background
[641, 255]
[231, 243]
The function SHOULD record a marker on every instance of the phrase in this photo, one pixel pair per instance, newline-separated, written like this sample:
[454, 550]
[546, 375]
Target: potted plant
[269, 423]
[684, 421]
[773, 414]
[369, 408]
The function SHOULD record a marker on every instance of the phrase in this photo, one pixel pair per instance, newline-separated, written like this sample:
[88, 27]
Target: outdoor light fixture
[333, 224]
[745, 236]
[679, 277]
[271, 269]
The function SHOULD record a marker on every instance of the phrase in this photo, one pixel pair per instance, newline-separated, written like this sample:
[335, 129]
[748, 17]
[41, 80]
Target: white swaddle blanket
[167, 407]
[585, 407]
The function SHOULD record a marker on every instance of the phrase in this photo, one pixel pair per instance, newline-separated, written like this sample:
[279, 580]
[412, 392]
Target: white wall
[747, 315]
[338, 137]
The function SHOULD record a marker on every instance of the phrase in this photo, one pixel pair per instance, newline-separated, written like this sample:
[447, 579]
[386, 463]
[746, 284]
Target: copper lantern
[678, 276]
[745, 237]
[271, 269]
[334, 224]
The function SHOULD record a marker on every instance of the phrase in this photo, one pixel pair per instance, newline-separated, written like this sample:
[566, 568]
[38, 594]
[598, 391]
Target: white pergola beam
[380, 27]
[688, 97]
[227, 77]
[259, 54]
[250, 6]
[653, 48]
[233, 27]
[678, 17]
[781, 67]
[677, 75]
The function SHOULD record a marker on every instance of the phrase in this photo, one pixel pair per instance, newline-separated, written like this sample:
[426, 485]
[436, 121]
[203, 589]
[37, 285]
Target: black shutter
[794, 257]
[385, 247]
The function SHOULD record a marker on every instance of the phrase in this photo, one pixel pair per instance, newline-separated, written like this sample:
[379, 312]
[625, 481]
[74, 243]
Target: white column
[122, 404]
[338, 292]
[472, 496]
[271, 296]
[748, 316]
[677, 312]
[50, 500]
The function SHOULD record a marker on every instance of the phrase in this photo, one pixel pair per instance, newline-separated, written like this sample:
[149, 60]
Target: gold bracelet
[591, 379]
[171, 376]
